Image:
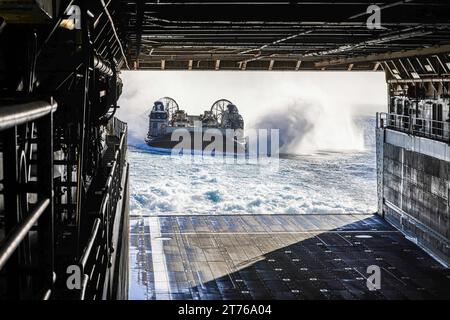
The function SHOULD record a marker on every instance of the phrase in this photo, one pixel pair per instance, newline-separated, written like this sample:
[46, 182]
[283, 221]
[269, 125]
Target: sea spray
[308, 126]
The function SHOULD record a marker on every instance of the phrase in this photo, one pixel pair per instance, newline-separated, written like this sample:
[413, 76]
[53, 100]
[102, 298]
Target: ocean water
[318, 182]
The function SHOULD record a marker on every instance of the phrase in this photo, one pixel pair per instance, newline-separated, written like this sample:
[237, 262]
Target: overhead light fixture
[415, 75]
[429, 68]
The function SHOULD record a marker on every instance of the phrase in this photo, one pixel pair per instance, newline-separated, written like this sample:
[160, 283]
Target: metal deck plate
[277, 257]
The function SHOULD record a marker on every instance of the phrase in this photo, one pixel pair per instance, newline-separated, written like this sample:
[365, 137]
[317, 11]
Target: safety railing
[432, 129]
[17, 114]
[117, 126]
[94, 241]
[96, 260]
[17, 247]
[15, 237]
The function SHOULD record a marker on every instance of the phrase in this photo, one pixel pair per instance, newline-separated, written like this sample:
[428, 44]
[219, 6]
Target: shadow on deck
[277, 257]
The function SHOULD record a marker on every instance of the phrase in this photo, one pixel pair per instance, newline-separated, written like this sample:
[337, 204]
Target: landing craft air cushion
[218, 130]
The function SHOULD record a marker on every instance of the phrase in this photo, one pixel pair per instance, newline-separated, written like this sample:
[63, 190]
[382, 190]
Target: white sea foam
[330, 182]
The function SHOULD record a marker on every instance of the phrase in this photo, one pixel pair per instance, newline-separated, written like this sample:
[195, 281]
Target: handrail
[384, 116]
[103, 206]
[102, 228]
[15, 237]
[111, 174]
[13, 115]
[90, 243]
[429, 128]
[114, 165]
[84, 285]
[48, 291]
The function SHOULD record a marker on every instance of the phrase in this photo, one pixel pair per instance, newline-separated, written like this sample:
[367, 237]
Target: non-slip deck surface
[277, 257]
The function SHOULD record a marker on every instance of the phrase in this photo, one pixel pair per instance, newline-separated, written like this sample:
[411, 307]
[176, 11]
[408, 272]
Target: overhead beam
[386, 56]
[376, 66]
[138, 28]
[276, 42]
[287, 11]
[401, 35]
[431, 80]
